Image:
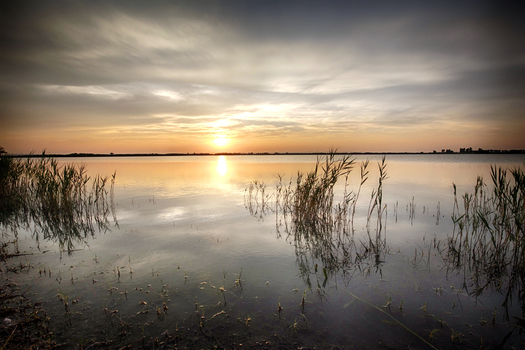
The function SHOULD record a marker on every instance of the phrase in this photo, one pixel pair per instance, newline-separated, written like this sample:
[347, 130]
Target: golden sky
[273, 76]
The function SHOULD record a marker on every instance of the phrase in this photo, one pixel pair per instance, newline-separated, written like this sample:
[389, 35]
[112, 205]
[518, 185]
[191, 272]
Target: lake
[196, 260]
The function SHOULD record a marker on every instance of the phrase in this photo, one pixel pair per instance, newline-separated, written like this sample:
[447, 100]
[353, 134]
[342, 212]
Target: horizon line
[152, 154]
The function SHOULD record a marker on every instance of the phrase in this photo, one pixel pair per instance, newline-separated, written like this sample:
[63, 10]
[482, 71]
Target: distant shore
[74, 155]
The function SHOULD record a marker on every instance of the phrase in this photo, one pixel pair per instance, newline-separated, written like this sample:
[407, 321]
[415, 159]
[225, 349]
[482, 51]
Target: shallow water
[184, 232]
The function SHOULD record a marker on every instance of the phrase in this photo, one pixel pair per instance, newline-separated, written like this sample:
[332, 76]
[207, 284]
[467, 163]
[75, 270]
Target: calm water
[184, 232]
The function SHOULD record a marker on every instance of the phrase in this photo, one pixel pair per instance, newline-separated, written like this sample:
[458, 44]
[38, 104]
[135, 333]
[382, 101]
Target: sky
[261, 76]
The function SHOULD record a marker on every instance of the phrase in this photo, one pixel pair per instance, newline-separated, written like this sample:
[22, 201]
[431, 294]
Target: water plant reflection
[320, 226]
[53, 202]
[488, 242]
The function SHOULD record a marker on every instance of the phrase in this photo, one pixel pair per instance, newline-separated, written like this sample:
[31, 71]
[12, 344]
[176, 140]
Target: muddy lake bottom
[188, 264]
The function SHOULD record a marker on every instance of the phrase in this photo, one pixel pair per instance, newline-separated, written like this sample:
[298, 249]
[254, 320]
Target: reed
[55, 202]
[313, 198]
[488, 242]
[321, 222]
[256, 201]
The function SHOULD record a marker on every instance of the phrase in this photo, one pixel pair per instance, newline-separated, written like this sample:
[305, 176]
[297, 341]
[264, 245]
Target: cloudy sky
[254, 76]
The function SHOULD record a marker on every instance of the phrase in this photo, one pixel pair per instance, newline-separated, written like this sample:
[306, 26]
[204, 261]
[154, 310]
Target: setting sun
[221, 141]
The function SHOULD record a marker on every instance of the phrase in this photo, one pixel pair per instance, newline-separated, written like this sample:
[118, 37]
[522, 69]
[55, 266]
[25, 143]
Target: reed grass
[488, 242]
[256, 200]
[312, 204]
[320, 225]
[54, 202]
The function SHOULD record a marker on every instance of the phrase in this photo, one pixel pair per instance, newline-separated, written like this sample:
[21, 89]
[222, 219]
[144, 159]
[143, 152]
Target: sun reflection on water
[222, 168]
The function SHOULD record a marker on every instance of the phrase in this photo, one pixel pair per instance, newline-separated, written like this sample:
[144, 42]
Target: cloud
[283, 67]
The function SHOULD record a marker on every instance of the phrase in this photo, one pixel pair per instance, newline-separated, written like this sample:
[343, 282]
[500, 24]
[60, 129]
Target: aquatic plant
[252, 195]
[55, 202]
[488, 242]
[312, 204]
[320, 226]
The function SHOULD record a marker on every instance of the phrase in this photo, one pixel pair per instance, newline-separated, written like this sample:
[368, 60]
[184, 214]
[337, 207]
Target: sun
[221, 141]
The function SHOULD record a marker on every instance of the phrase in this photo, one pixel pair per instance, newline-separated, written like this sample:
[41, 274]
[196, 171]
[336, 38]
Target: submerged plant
[55, 202]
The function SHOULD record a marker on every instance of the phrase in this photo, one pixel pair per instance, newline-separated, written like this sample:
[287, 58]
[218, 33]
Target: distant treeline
[444, 151]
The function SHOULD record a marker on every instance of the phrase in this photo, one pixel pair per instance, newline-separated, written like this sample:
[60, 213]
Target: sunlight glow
[222, 168]
[221, 141]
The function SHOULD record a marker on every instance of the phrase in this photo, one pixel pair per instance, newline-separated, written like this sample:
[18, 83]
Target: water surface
[184, 232]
